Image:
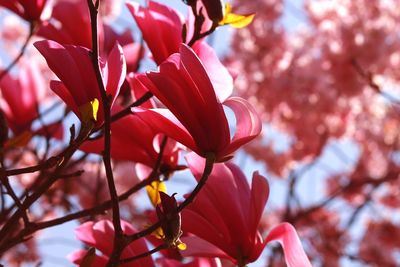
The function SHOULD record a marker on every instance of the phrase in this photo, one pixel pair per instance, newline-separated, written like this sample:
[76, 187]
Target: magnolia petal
[213, 230]
[73, 67]
[223, 205]
[116, 71]
[198, 247]
[59, 59]
[198, 73]
[165, 122]
[259, 198]
[142, 171]
[59, 89]
[103, 232]
[138, 89]
[210, 114]
[160, 26]
[248, 123]
[85, 234]
[220, 77]
[287, 236]
[77, 256]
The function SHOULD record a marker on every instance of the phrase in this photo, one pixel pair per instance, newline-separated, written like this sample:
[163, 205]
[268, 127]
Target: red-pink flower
[161, 27]
[100, 235]
[29, 10]
[73, 66]
[225, 215]
[63, 26]
[20, 97]
[195, 117]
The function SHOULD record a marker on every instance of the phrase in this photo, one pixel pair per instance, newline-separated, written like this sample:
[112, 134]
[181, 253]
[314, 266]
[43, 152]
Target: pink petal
[220, 78]
[63, 27]
[248, 123]
[84, 233]
[160, 26]
[286, 235]
[225, 201]
[211, 114]
[195, 67]
[198, 247]
[59, 89]
[200, 223]
[103, 232]
[77, 256]
[116, 71]
[259, 198]
[135, 248]
[73, 67]
[138, 90]
[165, 122]
[142, 171]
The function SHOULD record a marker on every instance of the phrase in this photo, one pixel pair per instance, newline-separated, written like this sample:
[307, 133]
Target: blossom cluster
[331, 87]
[76, 71]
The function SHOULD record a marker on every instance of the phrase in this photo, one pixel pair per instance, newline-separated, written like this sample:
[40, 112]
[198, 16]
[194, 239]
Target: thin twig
[119, 235]
[143, 255]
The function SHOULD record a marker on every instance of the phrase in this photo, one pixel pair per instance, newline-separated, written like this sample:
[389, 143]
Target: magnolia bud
[167, 213]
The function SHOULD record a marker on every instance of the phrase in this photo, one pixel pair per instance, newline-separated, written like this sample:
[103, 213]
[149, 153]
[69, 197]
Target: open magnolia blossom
[20, 97]
[165, 39]
[195, 117]
[225, 215]
[78, 85]
[62, 27]
[321, 90]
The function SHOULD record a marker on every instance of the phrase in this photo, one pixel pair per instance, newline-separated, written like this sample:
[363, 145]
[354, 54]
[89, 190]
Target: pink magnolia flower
[20, 97]
[195, 117]
[161, 27]
[62, 27]
[29, 10]
[225, 215]
[101, 235]
[73, 66]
